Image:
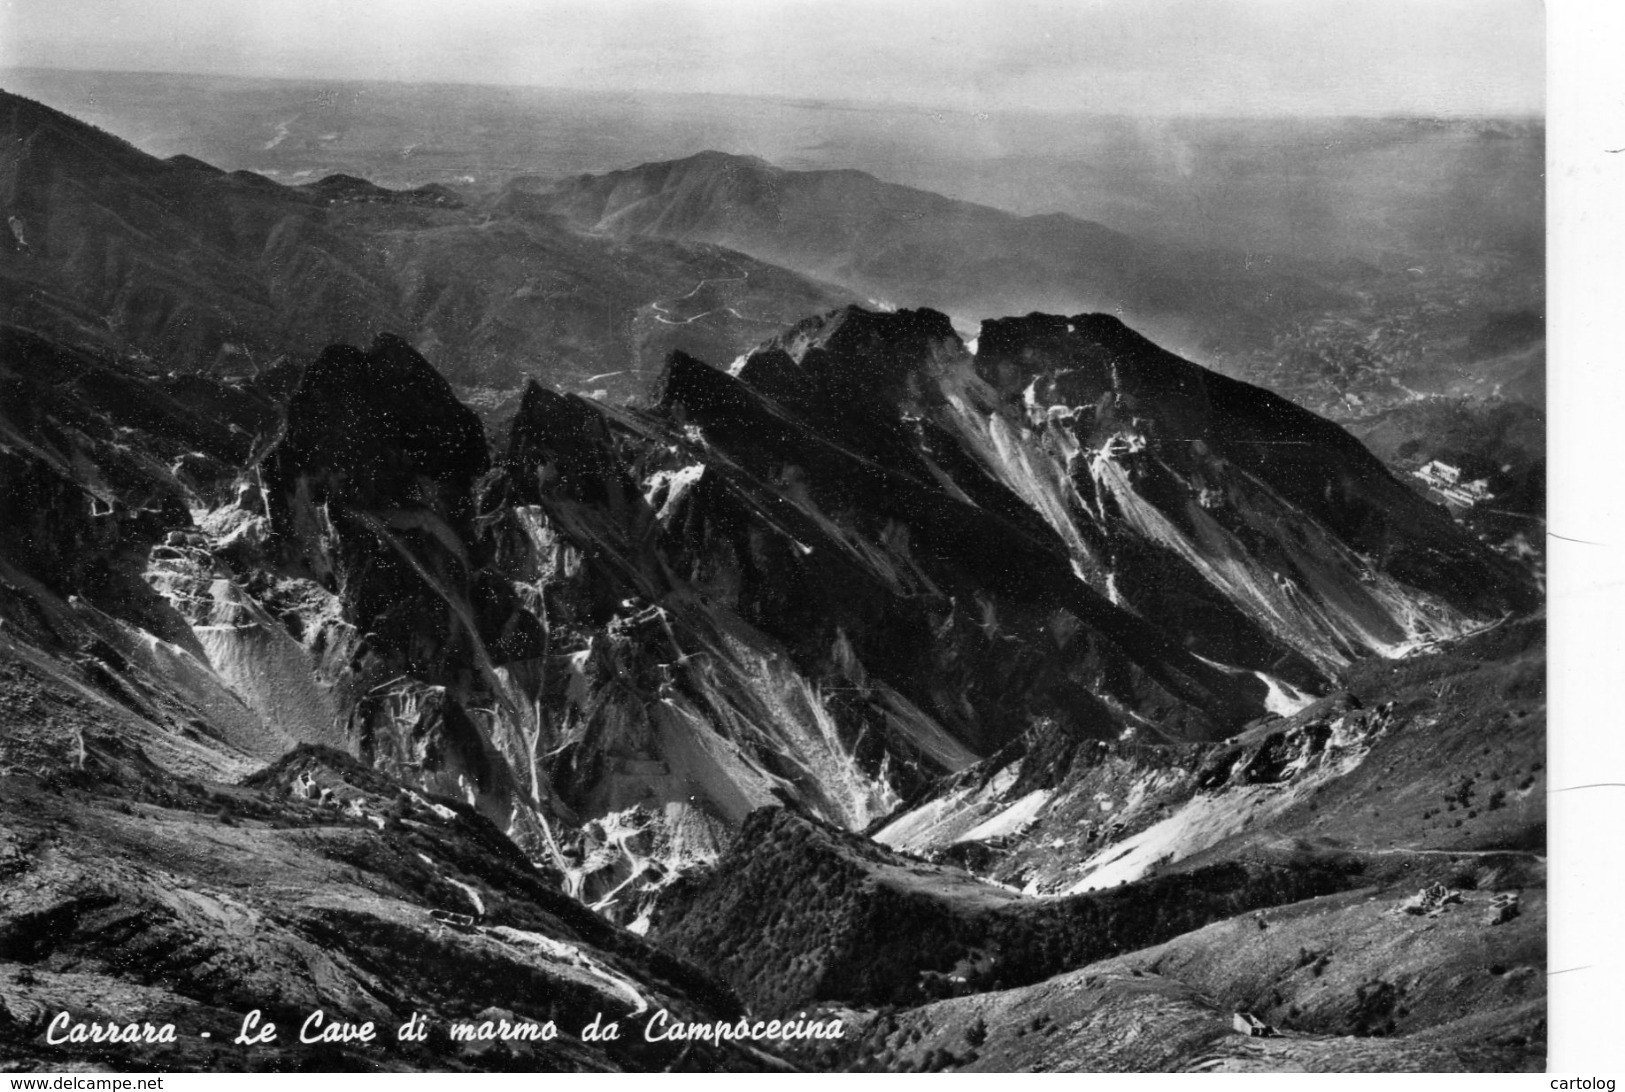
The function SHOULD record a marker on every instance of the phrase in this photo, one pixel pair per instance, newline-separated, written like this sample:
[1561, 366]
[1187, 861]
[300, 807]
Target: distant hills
[203, 270]
[912, 248]
[588, 280]
[1326, 187]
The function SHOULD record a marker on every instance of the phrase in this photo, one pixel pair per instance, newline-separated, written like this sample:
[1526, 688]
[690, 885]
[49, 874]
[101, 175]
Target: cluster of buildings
[1445, 480]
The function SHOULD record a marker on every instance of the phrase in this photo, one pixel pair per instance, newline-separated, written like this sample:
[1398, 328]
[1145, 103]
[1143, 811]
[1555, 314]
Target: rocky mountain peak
[558, 442]
[853, 358]
[368, 427]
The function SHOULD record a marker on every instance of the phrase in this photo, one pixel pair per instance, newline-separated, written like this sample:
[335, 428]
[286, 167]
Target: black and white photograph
[866, 536]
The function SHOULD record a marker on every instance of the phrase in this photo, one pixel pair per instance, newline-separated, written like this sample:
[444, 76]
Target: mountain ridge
[915, 248]
[911, 669]
[209, 271]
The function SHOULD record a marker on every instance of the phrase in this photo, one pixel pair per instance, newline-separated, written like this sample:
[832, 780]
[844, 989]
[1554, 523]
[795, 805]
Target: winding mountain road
[662, 310]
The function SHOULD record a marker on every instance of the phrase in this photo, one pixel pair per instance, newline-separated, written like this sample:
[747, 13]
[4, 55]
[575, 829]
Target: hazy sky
[1134, 56]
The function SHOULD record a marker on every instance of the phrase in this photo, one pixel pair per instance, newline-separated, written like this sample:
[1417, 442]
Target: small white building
[1445, 480]
[1442, 473]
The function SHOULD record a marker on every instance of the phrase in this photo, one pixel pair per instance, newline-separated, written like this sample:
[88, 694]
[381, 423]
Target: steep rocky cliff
[868, 575]
[1366, 877]
[868, 559]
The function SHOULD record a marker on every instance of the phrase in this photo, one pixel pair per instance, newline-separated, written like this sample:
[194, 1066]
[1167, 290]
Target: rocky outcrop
[1208, 472]
[1284, 865]
[868, 559]
[316, 885]
[369, 499]
[1055, 813]
[103, 465]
